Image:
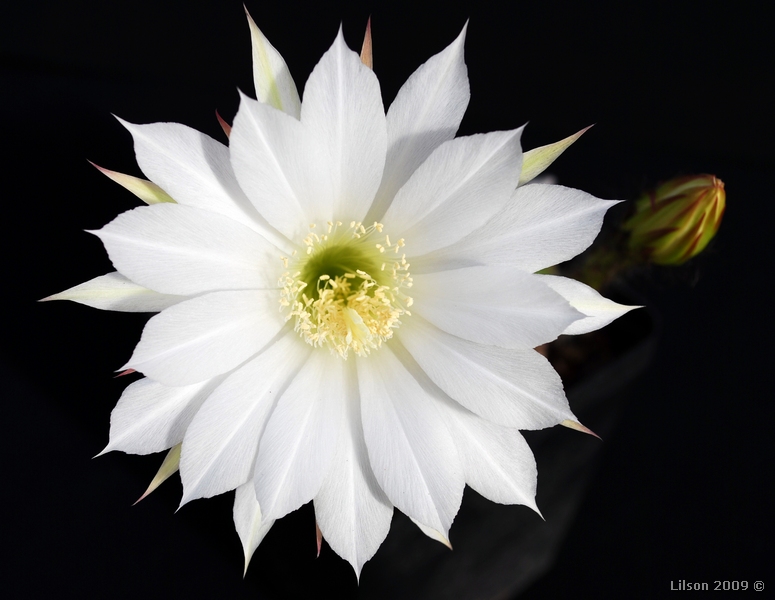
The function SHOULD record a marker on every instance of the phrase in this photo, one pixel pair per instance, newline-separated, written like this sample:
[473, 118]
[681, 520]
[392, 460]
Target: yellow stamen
[347, 307]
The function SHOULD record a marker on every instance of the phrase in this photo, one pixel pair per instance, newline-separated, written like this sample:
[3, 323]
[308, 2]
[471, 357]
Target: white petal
[206, 336]
[271, 76]
[279, 168]
[343, 112]
[177, 249]
[411, 451]
[250, 526]
[115, 292]
[537, 160]
[462, 184]
[541, 226]
[497, 306]
[514, 388]
[497, 461]
[598, 311]
[220, 445]
[151, 417]
[301, 437]
[193, 168]
[426, 112]
[351, 509]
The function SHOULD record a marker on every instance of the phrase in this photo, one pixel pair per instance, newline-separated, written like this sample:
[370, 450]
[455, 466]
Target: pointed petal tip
[169, 466]
[184, 499]
[145, 495]
[579, 427]
[432, 533]
[460, 40]
[629, 308]
[125, 123]
[534, 507]
[247, 558]
[243, 95]
[124, 369]
[461, 37]
[367, 57]
[537, 160]
[318, 539]
[358, 568]
[224, 125]
[340, 37]
[96, 166]
[104, 451]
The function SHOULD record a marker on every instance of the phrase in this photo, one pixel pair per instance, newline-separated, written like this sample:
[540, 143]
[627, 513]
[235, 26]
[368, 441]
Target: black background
[684, 487]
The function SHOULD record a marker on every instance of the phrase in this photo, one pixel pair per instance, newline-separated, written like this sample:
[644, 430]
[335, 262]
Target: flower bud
[677, 220]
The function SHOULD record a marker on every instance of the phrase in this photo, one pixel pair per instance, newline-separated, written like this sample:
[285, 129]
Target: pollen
[341, 290]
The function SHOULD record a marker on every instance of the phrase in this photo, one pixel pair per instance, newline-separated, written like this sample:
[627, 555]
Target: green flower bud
[677, 220]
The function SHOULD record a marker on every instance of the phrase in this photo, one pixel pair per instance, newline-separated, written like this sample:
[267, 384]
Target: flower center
[347, 291]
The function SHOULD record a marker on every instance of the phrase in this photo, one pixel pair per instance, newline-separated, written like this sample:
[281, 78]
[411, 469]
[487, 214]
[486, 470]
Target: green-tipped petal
[536, 161]
[147, 191]
[168, 468]
[115, 292]
[273, 81]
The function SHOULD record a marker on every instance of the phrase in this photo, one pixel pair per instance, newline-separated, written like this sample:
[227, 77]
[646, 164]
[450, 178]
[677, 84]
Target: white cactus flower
[348, 305]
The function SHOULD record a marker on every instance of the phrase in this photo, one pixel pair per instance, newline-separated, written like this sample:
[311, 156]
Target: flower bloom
[348, 305]
[678, 220]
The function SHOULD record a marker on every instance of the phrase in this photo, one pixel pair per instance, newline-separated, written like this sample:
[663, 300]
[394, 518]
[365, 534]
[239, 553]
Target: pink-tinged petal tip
[366, 50]
[579, 427]
[224, 125]
[318, 539]
[145, 190]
